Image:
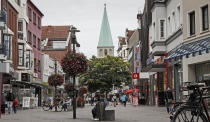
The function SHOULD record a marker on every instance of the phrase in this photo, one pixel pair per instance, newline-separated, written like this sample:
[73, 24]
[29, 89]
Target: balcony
[158, 48]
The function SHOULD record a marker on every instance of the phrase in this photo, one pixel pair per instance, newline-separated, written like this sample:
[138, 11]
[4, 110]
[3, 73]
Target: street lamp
[73, 30]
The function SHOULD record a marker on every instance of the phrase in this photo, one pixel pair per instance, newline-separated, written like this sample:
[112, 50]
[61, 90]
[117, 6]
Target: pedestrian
[94, 113]
[124, 99]
[10, 98]
[115, 100]
[92, 101]
[15, 105]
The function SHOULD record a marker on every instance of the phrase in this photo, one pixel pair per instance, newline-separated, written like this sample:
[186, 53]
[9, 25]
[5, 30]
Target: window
[20, 30]
[39, 46]
[178, 9]
[154, 31]
[205, 18]
[20, 55]
[29, 37]
[34, 40]
[39, 23]
[34, 18]
[28, 59]
[105, 52]
[35, 65]
[29, 13]
[39, 66]
[174, 20]
[7, 46]
[169, 26]
[162, 28]
[192, 22]
[20, 26]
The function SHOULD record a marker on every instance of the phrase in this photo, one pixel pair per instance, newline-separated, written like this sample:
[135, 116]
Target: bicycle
[195, 109]
[47, 106]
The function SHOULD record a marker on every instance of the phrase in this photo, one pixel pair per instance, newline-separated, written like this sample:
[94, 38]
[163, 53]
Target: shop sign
[135, 75]
[26, 102]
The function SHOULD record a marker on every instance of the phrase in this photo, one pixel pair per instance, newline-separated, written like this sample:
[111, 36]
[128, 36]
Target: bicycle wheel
[186, 114]
[59, 107]
[46, 107]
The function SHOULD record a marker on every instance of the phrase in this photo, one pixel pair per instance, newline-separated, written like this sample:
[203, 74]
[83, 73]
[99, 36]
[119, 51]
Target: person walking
[15, 105]
[124, 99]
[114, 100]
[10, 98]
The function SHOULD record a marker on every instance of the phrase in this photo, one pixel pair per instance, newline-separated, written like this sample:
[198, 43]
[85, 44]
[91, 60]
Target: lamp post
[73, 30]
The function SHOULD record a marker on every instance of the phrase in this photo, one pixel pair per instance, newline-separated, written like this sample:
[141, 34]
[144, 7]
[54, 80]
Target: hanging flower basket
[74, 63]
[55, 80]
[68, 87]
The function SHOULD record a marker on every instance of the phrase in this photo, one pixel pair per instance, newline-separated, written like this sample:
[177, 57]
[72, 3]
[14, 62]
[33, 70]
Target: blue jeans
[9, 105]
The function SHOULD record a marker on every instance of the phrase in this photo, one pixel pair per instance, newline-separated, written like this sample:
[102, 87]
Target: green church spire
[105, 39]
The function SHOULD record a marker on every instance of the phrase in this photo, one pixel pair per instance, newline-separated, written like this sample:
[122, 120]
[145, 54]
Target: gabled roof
[105, 39]
[53, 32]
[129, 33]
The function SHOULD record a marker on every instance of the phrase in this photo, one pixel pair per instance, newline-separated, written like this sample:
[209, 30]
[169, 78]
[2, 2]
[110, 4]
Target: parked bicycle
[195, 109]
[47, 106]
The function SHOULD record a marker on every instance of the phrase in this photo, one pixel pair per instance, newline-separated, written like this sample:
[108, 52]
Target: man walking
[10, 98]
[124, 99]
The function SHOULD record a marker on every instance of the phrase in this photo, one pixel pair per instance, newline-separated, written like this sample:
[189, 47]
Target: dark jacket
[10, 97]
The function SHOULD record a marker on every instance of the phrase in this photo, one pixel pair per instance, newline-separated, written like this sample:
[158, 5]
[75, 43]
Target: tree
[102, 73]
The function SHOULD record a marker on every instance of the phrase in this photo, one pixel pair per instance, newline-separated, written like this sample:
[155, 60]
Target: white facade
[166, 24]
[48, 67]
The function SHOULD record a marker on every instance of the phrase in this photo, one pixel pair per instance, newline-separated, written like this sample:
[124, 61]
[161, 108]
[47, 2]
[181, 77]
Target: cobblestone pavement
[122, 114]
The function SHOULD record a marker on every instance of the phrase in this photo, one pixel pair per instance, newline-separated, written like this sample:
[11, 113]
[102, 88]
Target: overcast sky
[86, 15]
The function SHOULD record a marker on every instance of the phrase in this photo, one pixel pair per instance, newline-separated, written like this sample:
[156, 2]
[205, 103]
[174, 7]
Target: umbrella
[131, 91]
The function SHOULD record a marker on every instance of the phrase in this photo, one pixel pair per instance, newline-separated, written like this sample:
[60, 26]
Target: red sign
[135, 75]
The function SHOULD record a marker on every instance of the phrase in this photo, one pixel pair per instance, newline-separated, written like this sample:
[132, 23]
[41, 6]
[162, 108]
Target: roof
[35, 7]
[129, 33]
[105, 38]
[55, 31]
[122, 41]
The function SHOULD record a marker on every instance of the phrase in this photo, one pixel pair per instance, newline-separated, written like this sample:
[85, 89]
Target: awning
[190, 48]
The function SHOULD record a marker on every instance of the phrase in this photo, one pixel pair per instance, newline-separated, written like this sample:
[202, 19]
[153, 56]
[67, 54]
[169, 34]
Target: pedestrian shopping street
[129, 113]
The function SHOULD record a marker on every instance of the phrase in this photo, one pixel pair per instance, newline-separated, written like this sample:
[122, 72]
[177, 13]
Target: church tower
[105, 44]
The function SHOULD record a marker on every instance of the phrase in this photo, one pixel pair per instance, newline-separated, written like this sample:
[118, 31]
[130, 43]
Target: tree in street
[102, 73]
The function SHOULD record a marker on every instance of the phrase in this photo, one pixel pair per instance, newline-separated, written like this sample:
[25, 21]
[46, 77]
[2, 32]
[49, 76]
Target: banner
[135, 100]
[26, 102]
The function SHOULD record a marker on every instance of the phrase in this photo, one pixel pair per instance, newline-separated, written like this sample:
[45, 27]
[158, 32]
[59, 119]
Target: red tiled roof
[55, 31]
[129, 33]
[122, 41]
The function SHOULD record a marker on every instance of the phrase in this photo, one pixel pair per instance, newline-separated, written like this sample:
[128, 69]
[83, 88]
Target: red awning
[131, 91]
